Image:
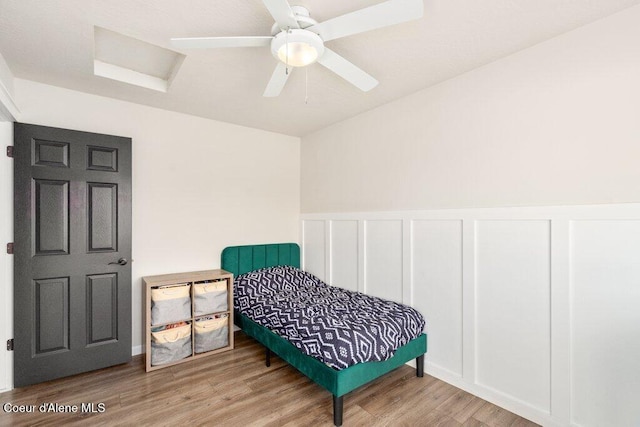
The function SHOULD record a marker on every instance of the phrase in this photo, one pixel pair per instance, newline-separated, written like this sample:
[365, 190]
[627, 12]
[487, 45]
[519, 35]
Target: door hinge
[10, 345]
[10, 248]
[10, 151]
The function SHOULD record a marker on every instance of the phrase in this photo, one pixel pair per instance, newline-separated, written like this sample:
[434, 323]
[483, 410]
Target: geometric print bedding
[336, 326]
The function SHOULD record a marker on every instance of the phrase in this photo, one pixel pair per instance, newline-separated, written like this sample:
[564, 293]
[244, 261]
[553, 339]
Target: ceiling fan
[297, 40]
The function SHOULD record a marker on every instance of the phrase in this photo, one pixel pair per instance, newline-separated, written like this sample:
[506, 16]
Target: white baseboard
[137, 349]
[493, 396]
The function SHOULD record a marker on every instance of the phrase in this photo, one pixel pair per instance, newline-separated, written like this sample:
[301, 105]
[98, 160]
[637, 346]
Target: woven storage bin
[210, 297]
[170, 304]
[211, 333]
[170, 345]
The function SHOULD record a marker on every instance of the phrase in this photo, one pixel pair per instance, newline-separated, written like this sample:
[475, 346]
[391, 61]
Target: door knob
[121, 261]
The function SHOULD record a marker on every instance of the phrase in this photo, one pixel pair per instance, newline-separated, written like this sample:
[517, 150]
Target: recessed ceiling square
[133, 61]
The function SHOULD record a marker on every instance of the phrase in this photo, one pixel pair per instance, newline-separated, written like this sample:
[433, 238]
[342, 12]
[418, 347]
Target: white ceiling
[52, 42]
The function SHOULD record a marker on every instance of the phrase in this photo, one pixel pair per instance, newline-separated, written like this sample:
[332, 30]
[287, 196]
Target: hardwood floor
[236, 389]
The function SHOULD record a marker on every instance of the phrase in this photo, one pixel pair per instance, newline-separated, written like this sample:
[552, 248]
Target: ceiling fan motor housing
[297, 47]
[302, 17]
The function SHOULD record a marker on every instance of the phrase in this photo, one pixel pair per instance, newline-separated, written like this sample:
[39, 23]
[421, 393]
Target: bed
[243, 259]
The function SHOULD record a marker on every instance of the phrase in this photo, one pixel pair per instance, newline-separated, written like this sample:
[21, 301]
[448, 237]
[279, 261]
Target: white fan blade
[214, 42]
[278, 79]
[347, 70]
[282, 13]
[381, 15]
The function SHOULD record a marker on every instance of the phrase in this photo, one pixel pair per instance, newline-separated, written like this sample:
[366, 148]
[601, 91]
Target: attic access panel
[134, 61]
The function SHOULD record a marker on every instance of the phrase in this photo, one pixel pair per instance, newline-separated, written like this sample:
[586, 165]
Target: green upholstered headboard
[242, 259]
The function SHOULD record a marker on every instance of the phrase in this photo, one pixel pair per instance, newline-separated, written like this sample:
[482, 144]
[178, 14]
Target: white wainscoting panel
[383, 259]
[513, 331]
[535, 309]
[437, 288]
[344, 254]
[605, 360]
[313, 248]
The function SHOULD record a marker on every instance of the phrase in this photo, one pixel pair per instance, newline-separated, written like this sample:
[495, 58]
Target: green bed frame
[242, 259]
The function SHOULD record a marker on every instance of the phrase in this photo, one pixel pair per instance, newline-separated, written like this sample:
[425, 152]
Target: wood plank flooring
[235, 388]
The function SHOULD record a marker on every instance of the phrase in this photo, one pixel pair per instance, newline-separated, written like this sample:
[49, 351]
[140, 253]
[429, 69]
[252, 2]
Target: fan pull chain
[286, 42]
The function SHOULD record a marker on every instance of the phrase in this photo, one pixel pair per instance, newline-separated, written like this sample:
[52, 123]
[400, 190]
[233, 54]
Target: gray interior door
[72, 225]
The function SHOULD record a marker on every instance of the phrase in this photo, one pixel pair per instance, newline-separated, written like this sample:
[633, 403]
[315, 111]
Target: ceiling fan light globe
[297, 48]
[298, 54]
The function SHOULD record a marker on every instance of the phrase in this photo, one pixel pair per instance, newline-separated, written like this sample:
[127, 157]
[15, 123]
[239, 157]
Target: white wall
[554, 124]
[198, 185]
[534, 309]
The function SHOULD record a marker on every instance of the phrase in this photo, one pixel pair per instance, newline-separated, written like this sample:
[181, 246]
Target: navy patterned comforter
[334, 325]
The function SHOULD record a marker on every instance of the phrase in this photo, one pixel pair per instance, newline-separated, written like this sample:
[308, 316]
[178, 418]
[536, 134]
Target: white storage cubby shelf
[188, 316]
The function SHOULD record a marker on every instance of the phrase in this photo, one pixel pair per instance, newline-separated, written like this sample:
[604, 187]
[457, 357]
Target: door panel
[103, 215]
[102, 308]
[51, 214]
[102, 159]
[51, 330]
[49, 153]
[72, 220]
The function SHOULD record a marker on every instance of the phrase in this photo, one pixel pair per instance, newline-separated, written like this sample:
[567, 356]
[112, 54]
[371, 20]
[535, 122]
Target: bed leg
[337, 410]
[267, 357]
[420, 366]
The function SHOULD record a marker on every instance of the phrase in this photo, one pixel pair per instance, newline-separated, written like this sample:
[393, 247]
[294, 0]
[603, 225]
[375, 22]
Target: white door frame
[9, 113]
[6, 261]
